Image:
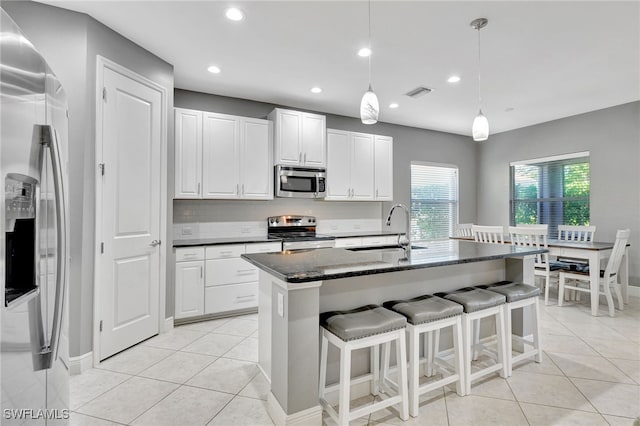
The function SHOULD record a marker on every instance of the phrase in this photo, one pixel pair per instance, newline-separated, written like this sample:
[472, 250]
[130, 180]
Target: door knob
[155, 243]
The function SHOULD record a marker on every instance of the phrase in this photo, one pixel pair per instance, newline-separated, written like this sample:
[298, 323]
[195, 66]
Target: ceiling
[540, 60]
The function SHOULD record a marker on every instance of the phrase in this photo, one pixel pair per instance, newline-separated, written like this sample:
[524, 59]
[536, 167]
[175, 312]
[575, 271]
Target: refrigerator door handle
[49, 353]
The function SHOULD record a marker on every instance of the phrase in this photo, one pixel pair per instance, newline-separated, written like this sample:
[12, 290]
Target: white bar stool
[479, 304]
[428, 314]
[365, 327]
[518, 296]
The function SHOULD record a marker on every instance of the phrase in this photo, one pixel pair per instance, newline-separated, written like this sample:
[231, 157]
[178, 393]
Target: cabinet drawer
[189, 253]
[230, 297]
[225, 251]
[263, 247]
[348, 242]
[229, 271]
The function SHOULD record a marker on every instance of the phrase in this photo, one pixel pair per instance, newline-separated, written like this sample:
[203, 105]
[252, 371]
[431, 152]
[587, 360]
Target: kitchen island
[296, 286]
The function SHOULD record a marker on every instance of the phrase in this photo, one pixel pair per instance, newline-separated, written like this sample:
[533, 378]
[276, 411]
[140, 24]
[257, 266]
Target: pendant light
[369, 106]
[480, 128]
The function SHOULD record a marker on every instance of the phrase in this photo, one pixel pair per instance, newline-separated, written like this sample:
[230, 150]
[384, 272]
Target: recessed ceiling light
[234, 14]
[316, 90]
[364, 52]
[213, 69]
[393, 105]
[453, 79]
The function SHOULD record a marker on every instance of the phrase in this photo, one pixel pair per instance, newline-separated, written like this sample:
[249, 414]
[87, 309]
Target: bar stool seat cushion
[425, 308]
[513, 291]
[361, 322]
[474, 299]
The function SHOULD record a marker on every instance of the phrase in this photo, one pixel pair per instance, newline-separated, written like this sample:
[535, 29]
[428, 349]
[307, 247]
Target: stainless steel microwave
[300, 182]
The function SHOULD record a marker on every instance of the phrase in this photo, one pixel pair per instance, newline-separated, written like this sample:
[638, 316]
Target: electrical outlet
[187, 230]
[281, 305]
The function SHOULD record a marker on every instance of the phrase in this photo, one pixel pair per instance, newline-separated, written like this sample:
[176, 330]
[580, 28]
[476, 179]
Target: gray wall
[408, 144]
[612, 136]
[70, 42]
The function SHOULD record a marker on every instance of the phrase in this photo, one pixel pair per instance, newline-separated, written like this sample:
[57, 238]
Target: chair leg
[508, 350]
[428, 353]
[501, 335]
[414, 367]
[546, 292]
[459, 361]
[324, 347]
[476, 338]
[466, 343]
[617, 290]
[385, 360]
[375, 369]
[607, 294]
[401, 357]
[560, 290]
[345, 389]
[536, 331]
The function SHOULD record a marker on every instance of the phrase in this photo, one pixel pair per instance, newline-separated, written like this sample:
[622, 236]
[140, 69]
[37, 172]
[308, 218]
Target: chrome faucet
[403, 242]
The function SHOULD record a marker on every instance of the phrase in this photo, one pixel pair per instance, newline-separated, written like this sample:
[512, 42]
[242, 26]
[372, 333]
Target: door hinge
[101, 248]
[104, 94]
[100, 325]
[101, 167]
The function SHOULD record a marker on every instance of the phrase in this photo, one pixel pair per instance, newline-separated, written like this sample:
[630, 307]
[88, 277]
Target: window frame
[457, 189]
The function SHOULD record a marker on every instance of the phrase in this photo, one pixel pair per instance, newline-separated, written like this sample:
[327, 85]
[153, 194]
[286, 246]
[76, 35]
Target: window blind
[553, 192]
[434, 201]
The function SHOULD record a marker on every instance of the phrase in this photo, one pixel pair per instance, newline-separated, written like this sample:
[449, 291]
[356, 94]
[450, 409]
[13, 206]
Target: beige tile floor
[206, 374]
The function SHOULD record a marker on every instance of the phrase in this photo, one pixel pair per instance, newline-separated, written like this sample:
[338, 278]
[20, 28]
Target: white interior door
[129, 279]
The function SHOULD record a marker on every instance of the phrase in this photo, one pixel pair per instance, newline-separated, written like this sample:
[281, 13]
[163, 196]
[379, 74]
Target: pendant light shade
[480, 128]
[369, 107]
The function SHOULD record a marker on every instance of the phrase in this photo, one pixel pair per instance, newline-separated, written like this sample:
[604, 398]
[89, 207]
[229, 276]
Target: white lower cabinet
[189, 282]
[223, 283]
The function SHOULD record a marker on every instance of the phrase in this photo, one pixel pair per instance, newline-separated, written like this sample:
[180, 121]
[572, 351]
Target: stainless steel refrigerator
[33, 247]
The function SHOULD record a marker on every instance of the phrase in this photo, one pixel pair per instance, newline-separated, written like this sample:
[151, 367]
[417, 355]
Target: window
[434, 201]
[554, 191]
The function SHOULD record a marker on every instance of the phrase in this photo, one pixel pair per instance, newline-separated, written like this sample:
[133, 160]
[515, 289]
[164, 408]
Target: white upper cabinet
[233, 156]
[300, 138]
[353, 161]
[188, 150]
[256, 167]
[221, 156]
[383, 170]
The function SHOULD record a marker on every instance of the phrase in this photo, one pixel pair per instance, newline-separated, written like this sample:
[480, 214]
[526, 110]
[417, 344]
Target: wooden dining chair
[464, 230]
[536, 236]
[576, 233]
[608, 276]
[488, 234]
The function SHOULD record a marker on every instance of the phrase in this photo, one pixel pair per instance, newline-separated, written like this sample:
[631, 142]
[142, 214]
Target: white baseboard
[310, 416]
[633, 290]
[80, 364]
[168, 325]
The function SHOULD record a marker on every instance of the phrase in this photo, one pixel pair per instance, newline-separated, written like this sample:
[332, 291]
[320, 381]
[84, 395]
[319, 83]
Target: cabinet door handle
[198, 188]
[249, 296]
[305, 158]
[201, 268]
[376, 193]
[245, 271]
[237, 189]
[243, 189]
[300, 157]
[225, 252]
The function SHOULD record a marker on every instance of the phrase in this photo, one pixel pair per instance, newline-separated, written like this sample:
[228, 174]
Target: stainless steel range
[297, 232]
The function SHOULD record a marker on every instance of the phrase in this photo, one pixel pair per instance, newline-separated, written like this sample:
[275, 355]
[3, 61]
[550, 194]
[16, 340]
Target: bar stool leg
[466, 339]
[375, 369]
[414, 367]
[401, 357]
[324, 347]
[345, 389]
[502, 350]
[508, 339]
[476, 337]
[458, 353]
[536, 331]
[428, 353]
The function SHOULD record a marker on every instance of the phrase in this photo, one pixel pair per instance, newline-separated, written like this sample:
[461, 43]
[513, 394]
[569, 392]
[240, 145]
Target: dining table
[593, 252]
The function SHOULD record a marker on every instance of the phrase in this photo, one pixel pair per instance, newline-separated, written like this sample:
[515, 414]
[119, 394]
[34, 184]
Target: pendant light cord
[479, 68]
[370, 50]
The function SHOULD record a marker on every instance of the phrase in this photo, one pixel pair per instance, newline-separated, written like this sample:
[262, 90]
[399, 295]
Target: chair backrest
[576, 233]
[488, 234]
[531, 236]
[464, 230]
[534, 225]
[622, 236]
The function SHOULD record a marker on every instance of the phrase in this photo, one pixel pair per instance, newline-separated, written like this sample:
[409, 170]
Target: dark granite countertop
[332, 263]
[219, 241]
